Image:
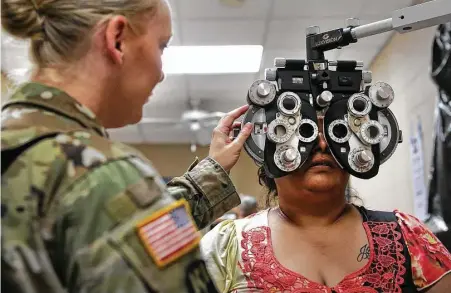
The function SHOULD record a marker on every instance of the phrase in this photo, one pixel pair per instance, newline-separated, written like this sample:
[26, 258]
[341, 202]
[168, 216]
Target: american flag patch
[169, 233]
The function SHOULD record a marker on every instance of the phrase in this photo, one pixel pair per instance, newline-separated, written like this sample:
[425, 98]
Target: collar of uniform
[57, 101]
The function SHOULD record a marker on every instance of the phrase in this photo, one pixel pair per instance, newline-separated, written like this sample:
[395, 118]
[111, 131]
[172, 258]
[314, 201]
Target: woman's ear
[114, 38]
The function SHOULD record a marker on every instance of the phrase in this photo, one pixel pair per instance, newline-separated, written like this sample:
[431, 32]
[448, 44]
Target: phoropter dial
[289, 103]
[279, 131]
[262, 92]
[307, 130]
[339, 131]
[359, 105]
[372, 132]
[287, 158]
[381, 94]
[361, 160]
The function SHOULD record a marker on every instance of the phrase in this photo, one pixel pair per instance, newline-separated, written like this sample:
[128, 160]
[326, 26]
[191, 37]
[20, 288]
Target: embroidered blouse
[240, 259]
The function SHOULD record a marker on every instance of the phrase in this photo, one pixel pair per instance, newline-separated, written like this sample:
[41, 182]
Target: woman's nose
[322, 143]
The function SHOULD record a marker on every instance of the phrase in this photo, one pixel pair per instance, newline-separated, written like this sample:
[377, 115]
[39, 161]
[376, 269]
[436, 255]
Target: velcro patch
[145, 192]
[169, 233]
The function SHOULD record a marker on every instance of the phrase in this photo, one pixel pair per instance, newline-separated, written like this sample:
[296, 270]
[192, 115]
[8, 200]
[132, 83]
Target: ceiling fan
[198, 122]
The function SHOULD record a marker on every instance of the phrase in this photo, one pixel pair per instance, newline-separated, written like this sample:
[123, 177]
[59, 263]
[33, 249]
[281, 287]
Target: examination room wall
[174, 160]
[404, 63]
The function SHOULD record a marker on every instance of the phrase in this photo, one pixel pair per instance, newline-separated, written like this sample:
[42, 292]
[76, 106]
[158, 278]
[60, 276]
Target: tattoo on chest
[364, 253]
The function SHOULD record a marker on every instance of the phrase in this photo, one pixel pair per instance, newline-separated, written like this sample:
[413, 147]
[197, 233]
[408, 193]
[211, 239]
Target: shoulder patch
[169, 233]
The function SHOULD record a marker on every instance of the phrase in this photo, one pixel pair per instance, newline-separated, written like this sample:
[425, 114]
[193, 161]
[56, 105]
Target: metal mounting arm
[403, 20]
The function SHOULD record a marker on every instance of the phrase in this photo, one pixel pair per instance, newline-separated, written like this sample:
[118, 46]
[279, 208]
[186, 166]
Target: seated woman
[315, 241]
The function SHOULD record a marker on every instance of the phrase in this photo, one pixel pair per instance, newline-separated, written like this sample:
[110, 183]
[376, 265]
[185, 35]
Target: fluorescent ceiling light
[212, 59]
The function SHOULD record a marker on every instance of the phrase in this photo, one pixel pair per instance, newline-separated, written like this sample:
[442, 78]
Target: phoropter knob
[270, 74]
[280, 62]
[312, 30]
[352, 22]
[289, 155]
[324, 98]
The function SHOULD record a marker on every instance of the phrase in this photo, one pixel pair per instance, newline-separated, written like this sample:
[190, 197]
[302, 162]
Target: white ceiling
[279, 26]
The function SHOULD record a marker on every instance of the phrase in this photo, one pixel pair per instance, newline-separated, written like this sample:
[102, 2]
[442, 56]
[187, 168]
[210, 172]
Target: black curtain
[440, 173]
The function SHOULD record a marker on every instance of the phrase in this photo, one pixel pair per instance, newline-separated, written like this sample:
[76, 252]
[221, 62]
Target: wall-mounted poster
[420, 198]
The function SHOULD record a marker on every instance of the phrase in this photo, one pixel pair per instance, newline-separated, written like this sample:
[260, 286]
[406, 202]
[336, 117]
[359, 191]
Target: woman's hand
[224, 149]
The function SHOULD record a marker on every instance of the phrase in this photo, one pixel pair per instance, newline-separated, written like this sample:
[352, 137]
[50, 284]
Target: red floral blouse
[240, 258]
[430, 259]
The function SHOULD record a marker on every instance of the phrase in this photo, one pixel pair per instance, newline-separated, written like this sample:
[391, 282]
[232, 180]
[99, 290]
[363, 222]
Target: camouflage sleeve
[122, 232]
[208, 189]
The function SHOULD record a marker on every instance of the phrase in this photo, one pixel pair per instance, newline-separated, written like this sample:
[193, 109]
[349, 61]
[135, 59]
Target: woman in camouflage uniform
[81, 213]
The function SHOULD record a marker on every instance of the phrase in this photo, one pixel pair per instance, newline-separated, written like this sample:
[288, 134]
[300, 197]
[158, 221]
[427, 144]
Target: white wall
[405, 64]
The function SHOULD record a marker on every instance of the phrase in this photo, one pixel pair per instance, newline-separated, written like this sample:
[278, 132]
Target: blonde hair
[58, 29]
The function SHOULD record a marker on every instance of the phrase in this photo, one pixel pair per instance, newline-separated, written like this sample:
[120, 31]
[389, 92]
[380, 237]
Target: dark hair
[271, 187]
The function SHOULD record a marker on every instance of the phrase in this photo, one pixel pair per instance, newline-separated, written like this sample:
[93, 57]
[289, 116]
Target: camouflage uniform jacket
[81, 213]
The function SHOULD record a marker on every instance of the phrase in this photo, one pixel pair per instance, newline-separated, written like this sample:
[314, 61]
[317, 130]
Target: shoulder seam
[90, 170]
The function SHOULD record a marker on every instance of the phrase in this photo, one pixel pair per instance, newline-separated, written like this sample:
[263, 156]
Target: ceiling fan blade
[210, 123]
[216, 115]
[160, 121]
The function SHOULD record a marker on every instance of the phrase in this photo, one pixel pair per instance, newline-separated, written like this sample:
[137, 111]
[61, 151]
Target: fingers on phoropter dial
[255, 144]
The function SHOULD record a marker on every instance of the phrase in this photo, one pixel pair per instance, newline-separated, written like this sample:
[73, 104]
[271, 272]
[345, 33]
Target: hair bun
[20, 18]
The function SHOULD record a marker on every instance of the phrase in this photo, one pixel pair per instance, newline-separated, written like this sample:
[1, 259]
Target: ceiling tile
[211, 87]
[213, 9]
[286, 34]
[318, 8]
[384, 8]
[217, 32]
